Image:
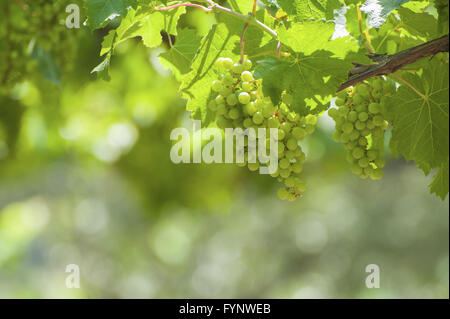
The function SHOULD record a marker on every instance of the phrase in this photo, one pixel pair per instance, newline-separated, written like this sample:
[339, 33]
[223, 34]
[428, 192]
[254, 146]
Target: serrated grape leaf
[100, 11]
[378, 10]
[257, 42]
[196, 85]
[418, 24]
[301, 10]
[313, 72]
[180, 56]
[420, 120]
[440, 186]
[148, 26]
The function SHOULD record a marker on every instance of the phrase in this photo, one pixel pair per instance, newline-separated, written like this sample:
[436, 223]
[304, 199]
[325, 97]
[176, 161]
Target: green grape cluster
[29, 24]
[361, 125]
[238, 102]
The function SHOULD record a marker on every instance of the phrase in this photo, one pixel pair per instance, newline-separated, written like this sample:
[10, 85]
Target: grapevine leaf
[148, 26]
[313, 72]
[440, 186]
[196, 86]
[102, 70]
[100, 11]
[420, 121]
[378, 10]
[241, 6]
[180, 56]
[302, 10]
[419, 24]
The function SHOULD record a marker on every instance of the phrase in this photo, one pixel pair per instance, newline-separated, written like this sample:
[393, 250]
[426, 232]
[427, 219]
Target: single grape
[244, 98]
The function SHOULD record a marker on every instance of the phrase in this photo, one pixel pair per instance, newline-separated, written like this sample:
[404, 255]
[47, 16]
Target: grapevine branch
[249, 19]
[390, 63]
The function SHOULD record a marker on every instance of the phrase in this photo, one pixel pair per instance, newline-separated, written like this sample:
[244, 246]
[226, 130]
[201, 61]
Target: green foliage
[298, 48]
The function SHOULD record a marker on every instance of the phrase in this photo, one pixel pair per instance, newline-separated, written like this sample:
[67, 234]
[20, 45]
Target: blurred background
[86, 179]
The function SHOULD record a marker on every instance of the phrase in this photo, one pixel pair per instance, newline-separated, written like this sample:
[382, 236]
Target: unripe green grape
[370, 124]
[363, 90]
[357, 153]
[298, 133]
[253, 166]
[377, 174]
[281, 149]
[368, 170]
[311, 119]
[248, 123]
[297, 167]
[247, 87]
[291, 144]
[363, 116]
[333, 113]
[227, 63]
[217, 86]
[378, 84]
[238, 68]
[232, 99]
[365, 132]
[352, 116]
[358, 99]
[268, 111]
[349, 146]
[347, 127]
[283, 193]
[342, 94]
[221, 109]
[289, 154]
[225, 91]
[362, 141]
[284, 163]
[247, 64]
[273, 122]
[380, 162]
[286, 127]
[223, 123]
[361, 108]
[360, 125]
[339, 102]
[363, 162]
[290, 181]
[300, 186]
[354, 135]
[250, 108]
[378, 120]
[219, 99]
[281, 134]
[336, 136]
[374, 108]
[234, 113]
[345, 137]
[246, 76]
[310, 129]
[372, 155]
[244, 98]
[285, 173]
[258, 118]
[227, 79]
[219, 62]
